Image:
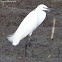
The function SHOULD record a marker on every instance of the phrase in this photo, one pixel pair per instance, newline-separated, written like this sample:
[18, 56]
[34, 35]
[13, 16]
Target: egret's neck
[41, 15]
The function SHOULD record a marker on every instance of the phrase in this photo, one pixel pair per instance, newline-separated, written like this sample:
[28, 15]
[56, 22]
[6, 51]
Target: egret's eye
[44, 7]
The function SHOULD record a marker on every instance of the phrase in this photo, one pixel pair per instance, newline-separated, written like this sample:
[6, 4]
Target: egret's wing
[26, 26]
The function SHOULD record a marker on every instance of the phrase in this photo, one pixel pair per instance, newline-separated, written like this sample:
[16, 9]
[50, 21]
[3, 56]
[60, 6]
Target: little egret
[29, 24]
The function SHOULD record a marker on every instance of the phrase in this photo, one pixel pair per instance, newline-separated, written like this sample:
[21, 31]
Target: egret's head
[44, 8]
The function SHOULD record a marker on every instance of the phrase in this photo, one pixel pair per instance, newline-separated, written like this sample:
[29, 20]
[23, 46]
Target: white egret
[29, 24]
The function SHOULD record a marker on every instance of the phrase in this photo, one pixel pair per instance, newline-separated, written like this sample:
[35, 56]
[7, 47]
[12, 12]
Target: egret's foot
[29, 44]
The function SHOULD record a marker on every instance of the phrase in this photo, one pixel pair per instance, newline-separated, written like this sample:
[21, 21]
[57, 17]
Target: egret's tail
[10, 38]
[14, 38]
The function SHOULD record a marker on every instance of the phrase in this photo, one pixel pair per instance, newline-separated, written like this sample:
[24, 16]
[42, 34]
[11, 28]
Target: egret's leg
[27, 44]
[26, 48]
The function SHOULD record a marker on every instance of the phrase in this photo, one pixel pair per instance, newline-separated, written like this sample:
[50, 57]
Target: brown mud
[42, 46]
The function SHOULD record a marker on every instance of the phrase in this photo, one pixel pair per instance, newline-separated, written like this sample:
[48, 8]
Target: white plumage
[29, 24]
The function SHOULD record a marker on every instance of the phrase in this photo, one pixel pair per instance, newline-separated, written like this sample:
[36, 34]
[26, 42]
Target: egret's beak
[51, 9]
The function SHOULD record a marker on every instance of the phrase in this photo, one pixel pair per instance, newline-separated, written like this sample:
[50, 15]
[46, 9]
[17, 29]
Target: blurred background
[43, 49]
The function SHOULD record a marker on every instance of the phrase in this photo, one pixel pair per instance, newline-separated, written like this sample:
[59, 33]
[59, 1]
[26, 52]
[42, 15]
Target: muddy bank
[42, 46]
